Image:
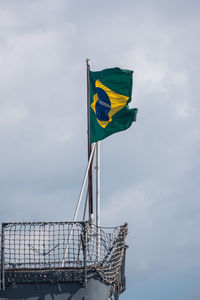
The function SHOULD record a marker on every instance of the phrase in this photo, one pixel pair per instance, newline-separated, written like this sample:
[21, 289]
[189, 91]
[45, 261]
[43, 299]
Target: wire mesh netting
[63, 246]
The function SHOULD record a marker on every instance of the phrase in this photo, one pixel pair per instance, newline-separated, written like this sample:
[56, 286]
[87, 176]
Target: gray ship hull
[95, 290]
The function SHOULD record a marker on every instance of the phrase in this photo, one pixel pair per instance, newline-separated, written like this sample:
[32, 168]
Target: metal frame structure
[33, 252]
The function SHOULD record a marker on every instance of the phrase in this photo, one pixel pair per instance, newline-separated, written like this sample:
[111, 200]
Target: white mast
[98, 199]
[98, 184]
[90, 185]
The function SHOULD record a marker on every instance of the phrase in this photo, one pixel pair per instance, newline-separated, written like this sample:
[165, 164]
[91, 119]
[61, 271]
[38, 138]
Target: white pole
[98, 184]
[84, 181]
[98, 199]
[79, 202]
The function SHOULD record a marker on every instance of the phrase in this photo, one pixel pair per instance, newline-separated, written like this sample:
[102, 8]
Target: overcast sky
[150, 173]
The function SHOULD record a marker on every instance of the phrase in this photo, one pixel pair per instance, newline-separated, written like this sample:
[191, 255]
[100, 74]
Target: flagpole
[90, 192]
[98, 200]
[98, 183]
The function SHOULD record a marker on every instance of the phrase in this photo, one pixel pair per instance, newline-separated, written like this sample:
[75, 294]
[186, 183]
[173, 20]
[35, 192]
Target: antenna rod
[89, 145]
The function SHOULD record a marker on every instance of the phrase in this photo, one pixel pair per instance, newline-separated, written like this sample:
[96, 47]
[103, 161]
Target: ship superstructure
[62, 260]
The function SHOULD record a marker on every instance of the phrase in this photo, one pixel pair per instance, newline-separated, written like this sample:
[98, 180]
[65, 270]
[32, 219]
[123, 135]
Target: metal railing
[36, 251]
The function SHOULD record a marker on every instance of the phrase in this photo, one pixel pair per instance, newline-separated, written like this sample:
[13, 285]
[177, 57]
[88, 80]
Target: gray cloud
[150, 172]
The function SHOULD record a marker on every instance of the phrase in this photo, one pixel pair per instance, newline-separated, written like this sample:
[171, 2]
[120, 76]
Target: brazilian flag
[110, 93]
